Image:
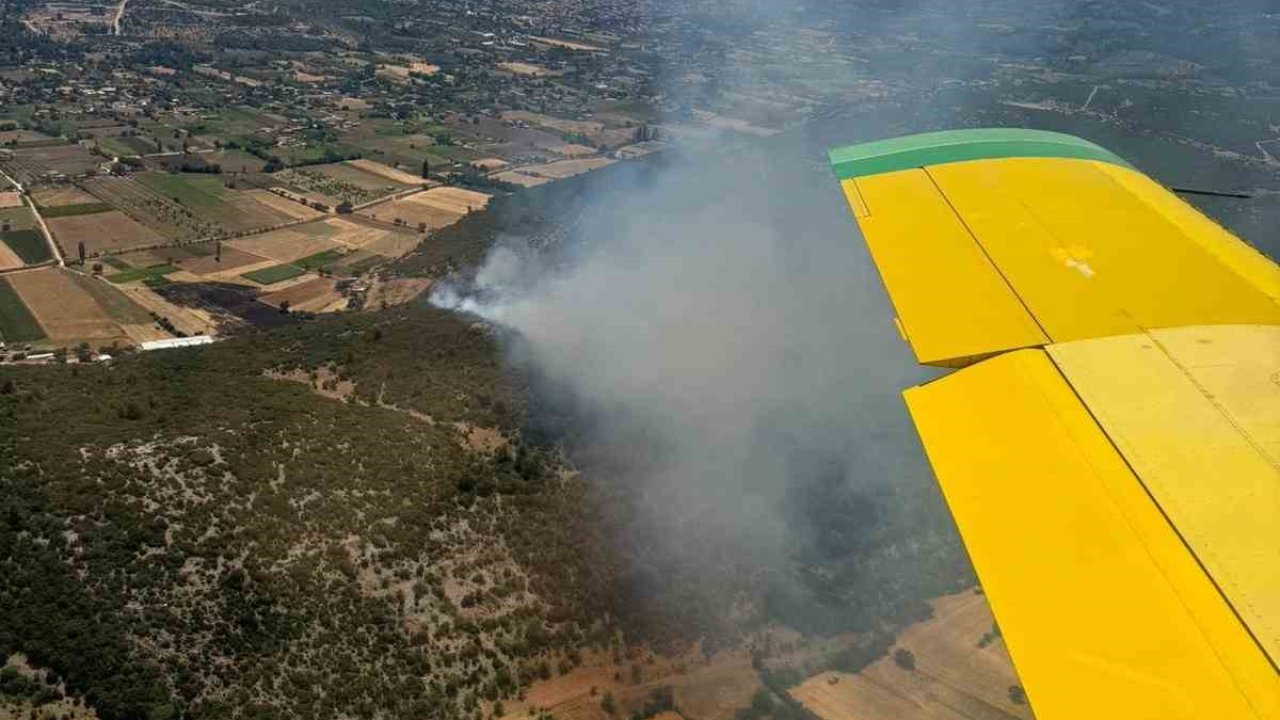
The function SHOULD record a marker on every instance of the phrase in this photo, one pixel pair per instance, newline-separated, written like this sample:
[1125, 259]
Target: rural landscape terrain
[258, 460]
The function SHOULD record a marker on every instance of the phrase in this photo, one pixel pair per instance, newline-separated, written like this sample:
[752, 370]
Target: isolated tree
[344, 207]
[80, 251]
[217, 251]
[904, 659]
[426, 169]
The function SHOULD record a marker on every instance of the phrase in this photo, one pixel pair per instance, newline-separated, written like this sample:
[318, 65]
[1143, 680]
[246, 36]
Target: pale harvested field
[953, 679]
[392, 244]
[111, 231]
[562, 169]
[283, 245]
[66, 311]
[10, 200]
[412, 214]
[9, 260]
[516, 178]
[191, 321]
[452, 199]
[61, 196]
[386, 171]
[311, 295]
[574, 151]
[490, 164]
[284, 206]
[144, 332]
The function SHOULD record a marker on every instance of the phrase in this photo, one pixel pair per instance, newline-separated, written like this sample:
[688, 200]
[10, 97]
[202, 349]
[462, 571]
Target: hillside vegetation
[182, 535]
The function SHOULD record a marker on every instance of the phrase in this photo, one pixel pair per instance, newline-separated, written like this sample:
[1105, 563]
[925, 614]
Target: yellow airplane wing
[1110, 441]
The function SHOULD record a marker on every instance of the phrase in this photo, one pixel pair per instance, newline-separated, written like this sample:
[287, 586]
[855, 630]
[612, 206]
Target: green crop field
[116, 303]
[194, 191]
[319, 260]
[274, 274]
[30, 245]
[70, 210]
[141, 273]
[17, 218]
[16, 322]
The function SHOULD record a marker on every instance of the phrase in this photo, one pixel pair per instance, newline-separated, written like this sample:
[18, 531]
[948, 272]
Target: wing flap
[1193, 411]
[1105, 613]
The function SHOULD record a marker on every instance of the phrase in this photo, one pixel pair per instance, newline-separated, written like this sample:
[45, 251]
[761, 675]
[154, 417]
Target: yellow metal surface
[1196, 412]
[856, 204]
[1250, 264]
[1105, 613]
[1090, 257]
[952, 303]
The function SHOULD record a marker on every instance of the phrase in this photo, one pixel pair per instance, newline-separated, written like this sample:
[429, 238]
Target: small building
[176, 342]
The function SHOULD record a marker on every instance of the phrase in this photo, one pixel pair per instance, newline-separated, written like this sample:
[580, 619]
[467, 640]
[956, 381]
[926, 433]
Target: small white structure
[176, 342]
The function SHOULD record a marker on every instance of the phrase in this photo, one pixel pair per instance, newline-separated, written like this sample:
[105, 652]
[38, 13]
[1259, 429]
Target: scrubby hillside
[183, 533]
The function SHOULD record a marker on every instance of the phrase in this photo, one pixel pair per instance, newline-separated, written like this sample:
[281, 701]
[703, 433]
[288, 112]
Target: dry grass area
[453, 199]
[713, 689]
[386, 171]
[66, 311]
[62, 196]
[9, 260]
[10, 200]
[574, 151]
[291, 208]
[111, 231]
[397, 291]
[284, 245]
[430, 209]
[521, 179]
[953, 679]
[526, 69]
[562, 169]
[567, 44]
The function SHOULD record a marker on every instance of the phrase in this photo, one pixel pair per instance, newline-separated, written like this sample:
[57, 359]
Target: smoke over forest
[727, 364]
[711, 344]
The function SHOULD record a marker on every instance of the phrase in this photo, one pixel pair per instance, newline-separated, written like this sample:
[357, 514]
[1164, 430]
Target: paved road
[48, 236]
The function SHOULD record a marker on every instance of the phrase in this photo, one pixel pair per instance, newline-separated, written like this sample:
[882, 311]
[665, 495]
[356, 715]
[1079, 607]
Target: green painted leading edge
[948, 146]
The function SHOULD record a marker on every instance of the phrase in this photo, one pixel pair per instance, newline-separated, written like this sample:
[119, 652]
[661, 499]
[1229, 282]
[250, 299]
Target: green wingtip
[936, 148]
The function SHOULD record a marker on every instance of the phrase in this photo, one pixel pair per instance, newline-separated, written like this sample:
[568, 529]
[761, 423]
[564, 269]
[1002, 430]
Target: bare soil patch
[111, 231]
[62, 196]
[10, 200]
[283, 205]
[387, 172]
[65, 310]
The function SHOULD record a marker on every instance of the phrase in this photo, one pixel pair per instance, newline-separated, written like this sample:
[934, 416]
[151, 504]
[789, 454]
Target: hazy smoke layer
[730, 357]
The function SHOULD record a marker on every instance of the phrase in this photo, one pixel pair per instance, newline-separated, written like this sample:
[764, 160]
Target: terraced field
[206, 197]
[155, 210]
